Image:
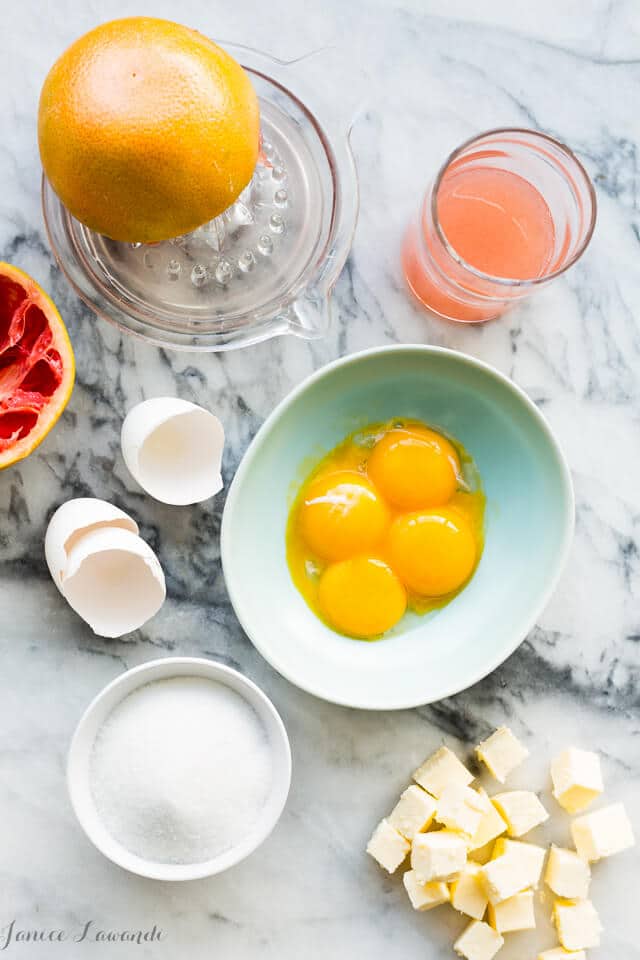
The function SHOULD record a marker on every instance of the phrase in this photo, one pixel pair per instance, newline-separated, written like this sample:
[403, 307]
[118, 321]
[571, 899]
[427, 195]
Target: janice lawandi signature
[14, 935]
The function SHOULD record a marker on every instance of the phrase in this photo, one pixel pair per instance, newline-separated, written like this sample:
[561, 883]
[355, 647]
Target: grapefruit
[37, 367]
[147, 129]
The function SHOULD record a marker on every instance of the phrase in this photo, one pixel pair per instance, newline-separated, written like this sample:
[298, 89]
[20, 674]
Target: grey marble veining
[417, 78]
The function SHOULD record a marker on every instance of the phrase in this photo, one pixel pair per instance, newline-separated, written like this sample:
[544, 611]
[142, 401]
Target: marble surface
[418, 77]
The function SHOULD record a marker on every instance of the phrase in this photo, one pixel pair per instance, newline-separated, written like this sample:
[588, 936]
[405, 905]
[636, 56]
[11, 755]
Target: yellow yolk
[433, 552]
[414, 468]
[341, 515]
[361, 597]
[391, 518]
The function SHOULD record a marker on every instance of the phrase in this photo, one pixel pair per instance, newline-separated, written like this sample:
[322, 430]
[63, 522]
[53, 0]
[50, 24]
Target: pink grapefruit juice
[494, 220]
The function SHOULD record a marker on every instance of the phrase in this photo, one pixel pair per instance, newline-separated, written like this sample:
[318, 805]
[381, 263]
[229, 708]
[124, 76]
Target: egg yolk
[361, 597]
[390, 519]
[414, 468]
[433, 552]
[341, 515]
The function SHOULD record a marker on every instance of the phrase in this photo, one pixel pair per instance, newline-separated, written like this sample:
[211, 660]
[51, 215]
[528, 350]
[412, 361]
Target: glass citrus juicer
[266, 266]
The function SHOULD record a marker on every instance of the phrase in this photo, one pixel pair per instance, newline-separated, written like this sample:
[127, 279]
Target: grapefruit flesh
[147, 129]
[36, 365]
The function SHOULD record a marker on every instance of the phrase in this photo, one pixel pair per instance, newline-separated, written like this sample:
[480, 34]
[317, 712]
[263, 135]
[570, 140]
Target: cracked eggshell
[173, 449]
[72, 521]
[114, 581]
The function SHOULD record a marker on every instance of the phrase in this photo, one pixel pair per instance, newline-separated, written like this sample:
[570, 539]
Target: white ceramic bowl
[93, 719]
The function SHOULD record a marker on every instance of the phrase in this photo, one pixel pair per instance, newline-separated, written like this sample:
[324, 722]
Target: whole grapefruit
[147, 129]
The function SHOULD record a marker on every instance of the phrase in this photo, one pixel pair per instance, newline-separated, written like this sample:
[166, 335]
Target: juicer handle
[309, 316]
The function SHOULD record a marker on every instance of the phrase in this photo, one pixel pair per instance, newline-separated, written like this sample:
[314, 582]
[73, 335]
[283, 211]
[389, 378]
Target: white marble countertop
[427, 74]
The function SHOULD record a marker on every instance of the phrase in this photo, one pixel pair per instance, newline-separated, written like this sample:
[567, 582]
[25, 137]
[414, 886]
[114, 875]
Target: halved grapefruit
[37, 367]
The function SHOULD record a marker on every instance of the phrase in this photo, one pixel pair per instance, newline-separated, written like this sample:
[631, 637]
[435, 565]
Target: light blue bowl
[528, 527]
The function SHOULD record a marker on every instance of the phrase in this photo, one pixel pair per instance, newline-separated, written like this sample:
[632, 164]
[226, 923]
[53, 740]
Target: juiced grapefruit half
[37, 367]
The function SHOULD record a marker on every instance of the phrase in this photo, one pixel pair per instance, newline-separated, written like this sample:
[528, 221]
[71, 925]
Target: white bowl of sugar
[179, 769]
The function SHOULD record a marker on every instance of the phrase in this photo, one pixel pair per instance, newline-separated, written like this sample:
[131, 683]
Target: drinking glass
[509, 211]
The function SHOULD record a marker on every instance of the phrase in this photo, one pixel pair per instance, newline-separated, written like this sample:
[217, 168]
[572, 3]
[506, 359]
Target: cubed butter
[602, 833]
[501, 753]
[441, 769]
[491, 825]
[516, 913]
[577, 779]
[567, 874]
[577, 923]
[559, 953]
[512, 871]
[439, 855]
[388, 847]
[413, 812]
[478, 941]
[467, 892]
[424, 896]
[503, 878]
[461, 809]
[521, 810]
[530, 856]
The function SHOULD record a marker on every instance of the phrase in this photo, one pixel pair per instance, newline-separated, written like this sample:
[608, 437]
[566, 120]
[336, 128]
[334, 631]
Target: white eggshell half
[114, 581]
[173, 449]
[71, 521]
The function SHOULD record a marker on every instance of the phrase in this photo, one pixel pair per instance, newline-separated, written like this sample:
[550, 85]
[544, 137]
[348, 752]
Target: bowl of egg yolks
[396, 527]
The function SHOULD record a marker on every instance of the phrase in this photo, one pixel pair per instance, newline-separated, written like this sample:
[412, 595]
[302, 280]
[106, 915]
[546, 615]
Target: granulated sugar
[181, 770]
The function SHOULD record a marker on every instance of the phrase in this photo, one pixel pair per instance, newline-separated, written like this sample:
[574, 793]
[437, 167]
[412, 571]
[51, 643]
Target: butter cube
[467, 893]
[501, 753]
[567, 874]
[441, 769]
[530, 856]
[577, 779]
[491, 825]
[522, 811]
[516, 913]
[387, 847]
[424, 896]
[504, 877]
[513, 871]
[559, 953]
[413, 812]
[461, 808]
[438, 855]
[577, 923]
[602, 833]
[478, 941]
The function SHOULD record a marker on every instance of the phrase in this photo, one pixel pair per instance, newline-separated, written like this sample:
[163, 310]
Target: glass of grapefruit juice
[509, 211]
